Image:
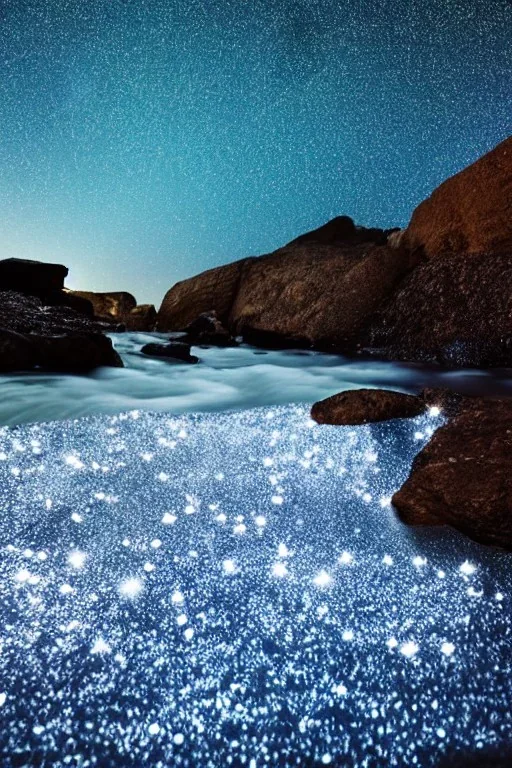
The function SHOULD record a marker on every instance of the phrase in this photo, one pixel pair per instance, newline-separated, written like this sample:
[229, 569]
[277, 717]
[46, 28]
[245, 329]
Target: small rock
[175, 350]
[361, 406]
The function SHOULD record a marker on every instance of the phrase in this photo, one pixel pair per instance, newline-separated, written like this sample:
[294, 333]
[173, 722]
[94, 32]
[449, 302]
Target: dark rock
[56, 338]
[17, 352]
[35, 278]
[456, 312]
[207, 329]
[362, 406]
[175, 350]
[76, 353]
[141, 318]
[470, 212]
[463, 477]
[68, 299]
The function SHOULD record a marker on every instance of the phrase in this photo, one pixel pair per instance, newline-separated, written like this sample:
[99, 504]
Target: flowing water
[225, 379]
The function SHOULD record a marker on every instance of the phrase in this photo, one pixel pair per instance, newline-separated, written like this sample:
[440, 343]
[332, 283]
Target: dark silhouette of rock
[66, 298]
[35, 278]
[76, 353]
[361, 406]
[17, 352]
[470, 212]
[55, 338]
[463, 477]
[208, 330]
[342, 230]
[175, 350]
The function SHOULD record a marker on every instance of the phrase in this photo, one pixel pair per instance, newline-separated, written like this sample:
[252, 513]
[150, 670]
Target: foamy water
[225, 379]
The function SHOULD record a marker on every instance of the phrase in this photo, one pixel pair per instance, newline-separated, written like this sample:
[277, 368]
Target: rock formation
[33, 335]
[438, 291]
[175, 351]
[363, 406]
[119, 307]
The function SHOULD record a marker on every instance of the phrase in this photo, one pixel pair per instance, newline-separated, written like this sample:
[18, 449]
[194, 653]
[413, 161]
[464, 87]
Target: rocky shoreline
[437, 292]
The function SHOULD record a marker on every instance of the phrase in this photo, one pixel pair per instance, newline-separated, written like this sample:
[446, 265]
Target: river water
[225, 379]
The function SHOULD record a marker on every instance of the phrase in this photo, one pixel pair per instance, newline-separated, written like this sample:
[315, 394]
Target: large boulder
[455, 311]
[34, 335]
[470, 212]
[140, 318]
[463, 477]
[214, 289]
[319, 290]
[35, 278]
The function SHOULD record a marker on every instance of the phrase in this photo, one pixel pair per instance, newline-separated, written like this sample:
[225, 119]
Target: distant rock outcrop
[119, 307]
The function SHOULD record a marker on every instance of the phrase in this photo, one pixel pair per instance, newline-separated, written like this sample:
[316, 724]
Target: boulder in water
[175, 350]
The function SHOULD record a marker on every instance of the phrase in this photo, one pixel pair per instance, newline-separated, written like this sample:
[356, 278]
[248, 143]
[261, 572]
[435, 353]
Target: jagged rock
[463, 477]
[470, 212]
[55, 338]
[175, 350]
[35, 278]
[141, 318]
[362, 406]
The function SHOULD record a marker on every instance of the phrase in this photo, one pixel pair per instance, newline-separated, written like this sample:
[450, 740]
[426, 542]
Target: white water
[225, 379]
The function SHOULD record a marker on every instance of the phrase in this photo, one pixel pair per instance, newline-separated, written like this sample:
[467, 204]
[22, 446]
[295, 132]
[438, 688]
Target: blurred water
[235, 589]
[225, 379]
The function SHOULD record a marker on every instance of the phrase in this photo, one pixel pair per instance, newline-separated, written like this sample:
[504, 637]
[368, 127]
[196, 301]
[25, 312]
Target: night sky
[142, 141]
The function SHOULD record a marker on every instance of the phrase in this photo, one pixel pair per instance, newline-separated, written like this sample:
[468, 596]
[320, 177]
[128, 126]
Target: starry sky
[142, 141]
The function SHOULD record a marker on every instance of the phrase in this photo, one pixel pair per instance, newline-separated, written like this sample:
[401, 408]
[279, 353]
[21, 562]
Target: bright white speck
[130, 587]
[126, 542]
[177, 597]
[347, 635]
[340, 690]
[154, 729]
[409, 649]
[190, 509]
[467, 568]
[169, 519]
[283, 550]
[77, 559]
[38, 729]
[434, 410]
[322, 579]
[48, 504]
[419, 435]
[392, 642]
[441, 574]
[441, 733]
[418, 561]
[74, 461]
[156, 543]
[346, 558]
[499, 596]
[277, 499]
[42, 555]
[326, 759]
[260, 521]
[66, 589]
[221, 517]
[100, 646]
[385, 501]
[229, 566]
[267, 462]
[240, 529]
[279, 569]
[179, 739]
[3, 699]
[387, 560]
[76, 518]
[189, 633]
[22, 575]
[163, 477]
[181, 620]
[149, 567]
[447, 649]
